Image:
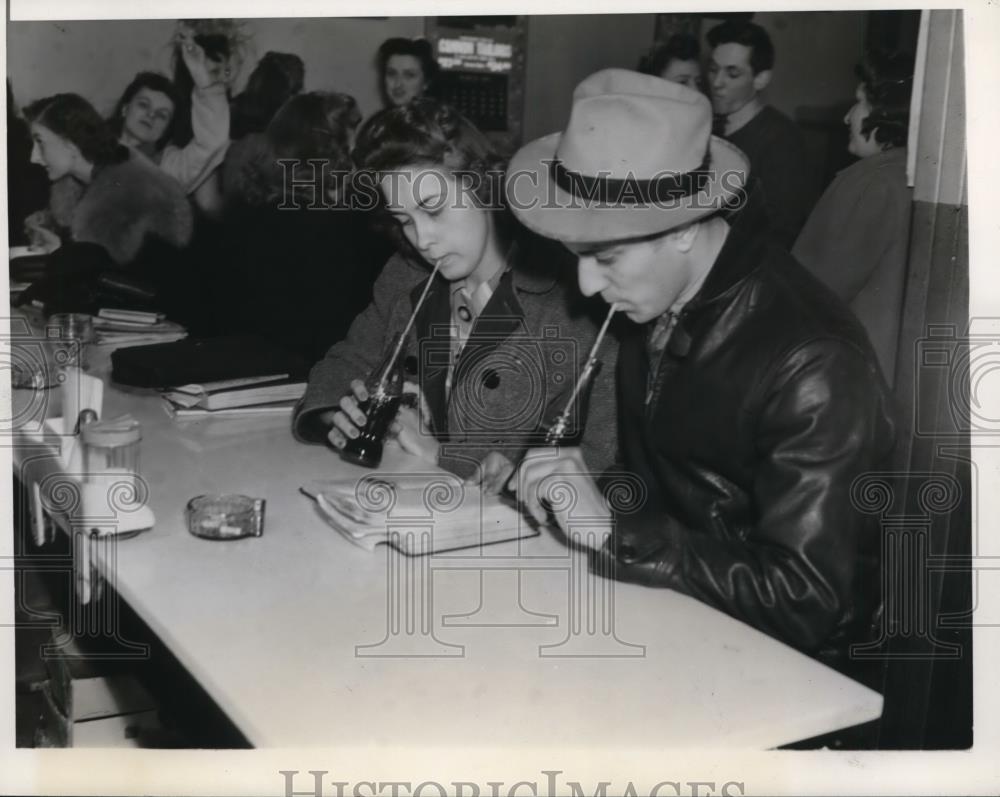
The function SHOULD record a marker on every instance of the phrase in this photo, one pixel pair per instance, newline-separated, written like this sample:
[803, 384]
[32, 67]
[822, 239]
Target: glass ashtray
[225, 517]
[32, 376]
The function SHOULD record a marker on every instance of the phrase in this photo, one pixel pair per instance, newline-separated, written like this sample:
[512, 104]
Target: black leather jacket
[768, 404]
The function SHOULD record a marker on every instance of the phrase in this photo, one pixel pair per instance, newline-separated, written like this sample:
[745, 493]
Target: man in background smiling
[738, 70]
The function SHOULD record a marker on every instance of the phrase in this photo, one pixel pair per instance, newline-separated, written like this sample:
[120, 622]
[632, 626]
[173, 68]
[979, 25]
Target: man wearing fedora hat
[749, 397]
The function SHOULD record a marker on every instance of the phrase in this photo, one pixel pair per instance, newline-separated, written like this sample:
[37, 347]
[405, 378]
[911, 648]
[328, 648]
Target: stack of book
[133, 328]
[248, 396]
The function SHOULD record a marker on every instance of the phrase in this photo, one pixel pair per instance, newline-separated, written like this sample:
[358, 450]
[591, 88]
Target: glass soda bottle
[385, 391]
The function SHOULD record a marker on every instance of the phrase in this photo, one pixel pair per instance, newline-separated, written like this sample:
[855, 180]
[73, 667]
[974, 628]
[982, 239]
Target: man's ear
[761, 79]
[683, 237]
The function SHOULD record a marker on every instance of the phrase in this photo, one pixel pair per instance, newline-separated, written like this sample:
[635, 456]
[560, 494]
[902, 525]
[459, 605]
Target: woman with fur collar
[102, 192]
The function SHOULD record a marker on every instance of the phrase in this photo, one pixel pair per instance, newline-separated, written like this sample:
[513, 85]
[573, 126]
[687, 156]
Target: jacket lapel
[504, 314]
[502, 317]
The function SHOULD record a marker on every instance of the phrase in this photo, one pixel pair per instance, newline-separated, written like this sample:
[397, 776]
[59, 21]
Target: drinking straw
[590, 363]
[406, 330]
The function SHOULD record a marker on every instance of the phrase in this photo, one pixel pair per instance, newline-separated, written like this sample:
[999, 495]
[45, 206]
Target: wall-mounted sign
[482, 63]
[475, 54]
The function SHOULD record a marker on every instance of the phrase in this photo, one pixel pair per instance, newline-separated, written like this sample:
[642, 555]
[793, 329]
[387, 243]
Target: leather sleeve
[821, 424]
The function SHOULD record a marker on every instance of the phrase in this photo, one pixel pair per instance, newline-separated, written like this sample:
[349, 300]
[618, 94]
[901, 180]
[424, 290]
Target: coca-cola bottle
[567, 428]
[385, 391]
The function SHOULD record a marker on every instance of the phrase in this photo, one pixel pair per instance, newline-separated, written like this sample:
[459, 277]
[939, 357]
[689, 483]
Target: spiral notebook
[418, 513]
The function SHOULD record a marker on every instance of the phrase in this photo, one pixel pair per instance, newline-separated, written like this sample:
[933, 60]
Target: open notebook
[418, 513]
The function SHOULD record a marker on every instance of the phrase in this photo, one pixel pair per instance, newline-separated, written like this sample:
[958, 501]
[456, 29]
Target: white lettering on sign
[494, 49]
[456, 47]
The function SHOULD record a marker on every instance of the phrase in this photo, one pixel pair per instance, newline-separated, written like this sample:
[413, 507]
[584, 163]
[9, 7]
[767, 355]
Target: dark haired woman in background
[151, 109]
[857, 236]
[678, 60]
[276, 78]
[143, 117]
[102, 193]
[407, 70]
[295, 264]
[495, 380]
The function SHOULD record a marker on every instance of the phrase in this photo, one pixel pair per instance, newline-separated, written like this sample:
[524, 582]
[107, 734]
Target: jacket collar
[740, 254]
[739, 257]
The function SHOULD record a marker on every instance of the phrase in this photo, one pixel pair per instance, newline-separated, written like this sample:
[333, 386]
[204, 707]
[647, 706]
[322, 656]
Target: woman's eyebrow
[431, 199]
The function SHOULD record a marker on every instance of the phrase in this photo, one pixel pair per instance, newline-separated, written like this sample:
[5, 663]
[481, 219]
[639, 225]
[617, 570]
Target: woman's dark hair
[276, 77]
[153, 81]
[71, 117]
[749, 35]
[418, 48]
[308, 127]
[428, 132]
[679, 47]
[887, 80]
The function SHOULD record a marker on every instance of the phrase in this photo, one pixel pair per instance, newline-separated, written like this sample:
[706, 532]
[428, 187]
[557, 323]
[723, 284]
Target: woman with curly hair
[295, 264]
[857, 237]
[494, 349]
[276, 78]
[317, 126]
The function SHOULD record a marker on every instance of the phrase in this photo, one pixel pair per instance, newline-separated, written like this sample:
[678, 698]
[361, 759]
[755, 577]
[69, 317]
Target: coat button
[491, 379]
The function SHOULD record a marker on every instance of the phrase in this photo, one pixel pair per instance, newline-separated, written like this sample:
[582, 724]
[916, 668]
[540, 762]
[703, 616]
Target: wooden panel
[928, 699]
[941, 144]
[928, 677]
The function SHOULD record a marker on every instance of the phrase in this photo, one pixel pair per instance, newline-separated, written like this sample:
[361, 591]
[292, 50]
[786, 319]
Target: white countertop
[275, 628]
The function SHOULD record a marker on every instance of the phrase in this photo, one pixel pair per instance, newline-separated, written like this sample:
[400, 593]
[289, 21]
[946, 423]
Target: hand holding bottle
[349, 420]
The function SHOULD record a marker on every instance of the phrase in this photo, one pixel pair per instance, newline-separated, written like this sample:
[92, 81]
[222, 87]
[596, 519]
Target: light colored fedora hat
[637, 158]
